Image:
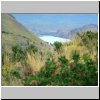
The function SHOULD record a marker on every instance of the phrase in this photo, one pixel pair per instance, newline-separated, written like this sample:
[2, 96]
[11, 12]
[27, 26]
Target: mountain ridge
[64, 33]
[85, 28]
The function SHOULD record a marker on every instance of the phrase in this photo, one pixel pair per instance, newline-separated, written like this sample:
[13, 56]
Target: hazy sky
[56, 21]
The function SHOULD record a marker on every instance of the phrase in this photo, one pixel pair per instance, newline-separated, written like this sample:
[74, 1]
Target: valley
[45, 57]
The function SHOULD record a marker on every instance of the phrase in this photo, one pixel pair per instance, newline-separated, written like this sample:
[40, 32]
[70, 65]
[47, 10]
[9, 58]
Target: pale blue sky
[56, 21]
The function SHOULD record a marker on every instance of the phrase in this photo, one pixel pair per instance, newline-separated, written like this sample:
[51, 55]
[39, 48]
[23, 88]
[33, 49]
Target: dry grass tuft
[34, 62]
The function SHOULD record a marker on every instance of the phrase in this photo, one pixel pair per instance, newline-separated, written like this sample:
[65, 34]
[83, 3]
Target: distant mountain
[62, 33]
[65, 33]
[14, 33]
[90, 27]
[59, 33]
[71, 33]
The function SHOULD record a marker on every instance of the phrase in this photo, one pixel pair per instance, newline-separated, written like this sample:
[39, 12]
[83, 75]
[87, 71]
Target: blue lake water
[52, 39]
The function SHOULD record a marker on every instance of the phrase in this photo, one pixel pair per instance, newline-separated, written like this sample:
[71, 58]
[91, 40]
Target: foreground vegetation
[70, 64]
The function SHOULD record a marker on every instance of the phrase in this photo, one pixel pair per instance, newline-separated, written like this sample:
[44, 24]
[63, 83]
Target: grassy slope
[18, 34]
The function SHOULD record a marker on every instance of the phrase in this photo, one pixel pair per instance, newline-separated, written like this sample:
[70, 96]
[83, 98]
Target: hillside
[90, 27]
[14, 33]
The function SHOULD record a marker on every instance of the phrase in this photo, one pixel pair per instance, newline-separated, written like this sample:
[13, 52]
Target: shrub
[27, 80]
[18, 53]
[75, 56]
[84, 74]
[31, 48]
[86, 56]
[15, 72]
[58, 46]
[49, 67]
[90, 74]
[43, 77]
[63, 60]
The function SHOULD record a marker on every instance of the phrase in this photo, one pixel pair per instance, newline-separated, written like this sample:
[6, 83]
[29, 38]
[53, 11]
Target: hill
[14, 33]
[85, 28]
[71, 33]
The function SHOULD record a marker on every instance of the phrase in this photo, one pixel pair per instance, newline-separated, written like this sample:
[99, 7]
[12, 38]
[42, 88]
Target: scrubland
[68, 64]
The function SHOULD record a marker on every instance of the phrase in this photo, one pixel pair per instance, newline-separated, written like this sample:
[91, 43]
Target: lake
[52, 39]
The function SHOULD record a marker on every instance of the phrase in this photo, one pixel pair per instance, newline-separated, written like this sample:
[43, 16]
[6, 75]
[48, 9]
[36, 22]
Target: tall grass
[8, 67]
[73, 63]
[34, 61]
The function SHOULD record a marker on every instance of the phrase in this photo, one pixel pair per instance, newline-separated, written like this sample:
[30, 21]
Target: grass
[34, 61]
[73, 65]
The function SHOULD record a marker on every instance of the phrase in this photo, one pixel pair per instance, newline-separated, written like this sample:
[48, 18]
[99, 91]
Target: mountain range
[90, 27]
[65, 33]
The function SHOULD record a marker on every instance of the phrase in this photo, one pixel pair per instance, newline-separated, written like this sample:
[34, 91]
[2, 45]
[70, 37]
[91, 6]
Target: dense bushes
[35, 68]
[84, 74]
[19, 53]
[13, 63]
[89, 40]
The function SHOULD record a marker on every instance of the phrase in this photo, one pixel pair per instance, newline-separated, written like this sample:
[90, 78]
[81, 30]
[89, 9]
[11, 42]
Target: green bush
[27, 80]
[32, 48]
[75, 56]
[63, 60]
[15, 73]
[18, 53]
[58, 46]
[83, 74]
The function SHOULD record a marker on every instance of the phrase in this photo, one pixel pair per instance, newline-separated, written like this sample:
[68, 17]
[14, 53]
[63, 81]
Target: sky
[53, 22]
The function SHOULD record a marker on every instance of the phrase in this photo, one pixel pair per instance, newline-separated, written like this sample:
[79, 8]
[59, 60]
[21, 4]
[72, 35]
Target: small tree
[58, 46]
[75, 56]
